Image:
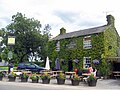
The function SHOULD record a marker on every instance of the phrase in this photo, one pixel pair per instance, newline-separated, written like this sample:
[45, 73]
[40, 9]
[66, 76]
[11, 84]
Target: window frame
[86, 63]
[87, 42]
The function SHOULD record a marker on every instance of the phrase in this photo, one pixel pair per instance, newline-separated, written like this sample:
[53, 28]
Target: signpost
[10, 55]
[11, 42]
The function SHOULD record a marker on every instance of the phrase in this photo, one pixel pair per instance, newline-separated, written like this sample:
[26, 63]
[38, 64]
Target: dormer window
[87, 42]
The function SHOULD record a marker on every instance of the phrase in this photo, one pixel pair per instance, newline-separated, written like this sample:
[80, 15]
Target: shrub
[91, 77]
[75, 77]
[45, 75]
[34, 77]
[61, 76]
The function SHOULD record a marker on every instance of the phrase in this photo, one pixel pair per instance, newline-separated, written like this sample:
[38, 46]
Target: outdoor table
[46, 72]
[85, 74]
[70, 73]
[55, 73]
[17, 72]
[116, 74]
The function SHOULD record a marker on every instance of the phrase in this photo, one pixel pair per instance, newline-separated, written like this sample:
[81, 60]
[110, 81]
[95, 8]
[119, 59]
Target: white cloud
[70, 14]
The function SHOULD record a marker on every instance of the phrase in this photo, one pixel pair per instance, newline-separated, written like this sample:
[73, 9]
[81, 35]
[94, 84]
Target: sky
[73, 15]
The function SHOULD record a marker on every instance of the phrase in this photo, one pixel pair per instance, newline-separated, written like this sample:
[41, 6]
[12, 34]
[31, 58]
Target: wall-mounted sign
[11, 40]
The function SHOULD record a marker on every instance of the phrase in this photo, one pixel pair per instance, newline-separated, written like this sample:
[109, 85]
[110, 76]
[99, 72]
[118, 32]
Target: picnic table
[70, 73]
[116, 74]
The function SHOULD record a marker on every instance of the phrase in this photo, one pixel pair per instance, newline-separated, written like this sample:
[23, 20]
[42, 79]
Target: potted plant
[92, 80]
[75, 79]
[61, 78]
[12, 76]
[24, 77]
[1, 76]
[34, 78]
[45, 78]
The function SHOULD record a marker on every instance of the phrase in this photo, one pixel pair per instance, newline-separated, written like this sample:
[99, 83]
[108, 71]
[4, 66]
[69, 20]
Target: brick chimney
[110, 20]
[62, 31]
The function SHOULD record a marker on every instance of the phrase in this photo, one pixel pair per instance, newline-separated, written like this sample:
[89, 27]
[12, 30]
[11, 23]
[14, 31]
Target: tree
[28, 36]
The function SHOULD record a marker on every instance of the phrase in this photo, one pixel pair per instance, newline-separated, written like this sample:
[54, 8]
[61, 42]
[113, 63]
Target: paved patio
[108, 84]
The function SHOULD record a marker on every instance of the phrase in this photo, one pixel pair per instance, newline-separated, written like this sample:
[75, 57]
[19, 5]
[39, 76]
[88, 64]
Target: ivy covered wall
[77, 52]
[111, 41]
[104, 44]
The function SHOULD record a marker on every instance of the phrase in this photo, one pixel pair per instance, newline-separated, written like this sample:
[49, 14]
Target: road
[101, 85]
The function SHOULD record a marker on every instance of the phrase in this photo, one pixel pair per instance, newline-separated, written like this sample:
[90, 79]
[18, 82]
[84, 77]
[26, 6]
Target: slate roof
[81, 33]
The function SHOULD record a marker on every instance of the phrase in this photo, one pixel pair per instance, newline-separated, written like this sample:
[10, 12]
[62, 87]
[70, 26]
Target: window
[58, 46]
[86, 62]
[71, 45]
[87, 42]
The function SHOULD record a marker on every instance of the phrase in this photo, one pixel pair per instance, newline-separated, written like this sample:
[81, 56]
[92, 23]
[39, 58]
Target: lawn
[5, 68]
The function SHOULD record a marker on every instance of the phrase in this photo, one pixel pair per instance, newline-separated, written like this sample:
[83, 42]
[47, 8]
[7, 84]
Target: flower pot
[1, 78]
[24, 79]
[11, 79]
[92, 83]
[75, 82]
[60, 81]
[45, 81]
[35, 81]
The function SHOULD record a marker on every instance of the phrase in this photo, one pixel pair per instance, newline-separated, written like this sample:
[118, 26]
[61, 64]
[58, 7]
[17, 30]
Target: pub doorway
[70, 65]
[116, 66]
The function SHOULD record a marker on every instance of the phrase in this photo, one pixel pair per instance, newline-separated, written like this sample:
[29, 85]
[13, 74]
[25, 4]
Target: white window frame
[58, 46]
[86, 62]
[87, 43]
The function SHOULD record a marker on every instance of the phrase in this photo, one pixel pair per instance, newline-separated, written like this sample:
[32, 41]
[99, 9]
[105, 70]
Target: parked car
[30, 66]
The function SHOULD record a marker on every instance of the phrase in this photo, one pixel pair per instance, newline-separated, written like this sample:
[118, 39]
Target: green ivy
[100, 43]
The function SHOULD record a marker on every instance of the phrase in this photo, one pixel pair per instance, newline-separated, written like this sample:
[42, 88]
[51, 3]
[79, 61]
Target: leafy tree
[28, 36]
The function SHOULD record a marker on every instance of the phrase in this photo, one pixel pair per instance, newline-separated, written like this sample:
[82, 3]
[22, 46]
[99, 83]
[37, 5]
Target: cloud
[70, 14]
[67, 17]
[4, 21]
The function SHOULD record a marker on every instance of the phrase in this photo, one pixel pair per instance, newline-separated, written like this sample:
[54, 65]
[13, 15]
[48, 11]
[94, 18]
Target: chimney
[110, 20]
[62, 31]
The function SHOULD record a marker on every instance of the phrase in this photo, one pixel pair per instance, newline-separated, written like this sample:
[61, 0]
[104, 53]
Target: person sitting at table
[76, 71]
[90, 69]
[79, 72]
[94, 72]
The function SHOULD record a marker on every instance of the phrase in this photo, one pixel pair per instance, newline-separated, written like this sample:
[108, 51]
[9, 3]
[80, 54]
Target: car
[30, 66]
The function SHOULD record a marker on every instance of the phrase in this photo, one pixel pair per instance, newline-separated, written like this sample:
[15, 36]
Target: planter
[92, 83]
[45, 81]
[60, 81]
[12, 79]
[35, 81]
[24, 79]
[75, 82]
[1, 78]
